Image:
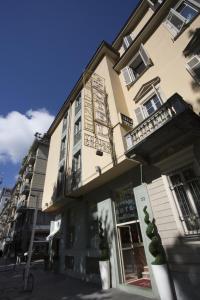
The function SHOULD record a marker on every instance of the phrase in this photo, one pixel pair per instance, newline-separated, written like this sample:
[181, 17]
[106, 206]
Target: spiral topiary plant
[103, 243]
[155, 246]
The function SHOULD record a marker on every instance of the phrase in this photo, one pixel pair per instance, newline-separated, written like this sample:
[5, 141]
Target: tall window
[77, 161]
[77, 131]
[193, 66]
[137, 66]
[186, 188]
[65, 122]
[148, 108]
[183, 13]
[62, 148]
[78, 104]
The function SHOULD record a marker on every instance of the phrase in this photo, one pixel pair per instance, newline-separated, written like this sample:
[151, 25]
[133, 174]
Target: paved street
[49, 286]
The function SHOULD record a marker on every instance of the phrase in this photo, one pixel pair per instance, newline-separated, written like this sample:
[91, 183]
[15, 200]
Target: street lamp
[30, 250]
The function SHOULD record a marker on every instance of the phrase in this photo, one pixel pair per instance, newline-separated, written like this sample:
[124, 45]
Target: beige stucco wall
[169, 64]
[89, 158]
[52, 166]
[137, 28]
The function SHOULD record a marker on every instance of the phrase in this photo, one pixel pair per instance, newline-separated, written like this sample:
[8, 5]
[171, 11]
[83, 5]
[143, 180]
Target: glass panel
[125, 206]
[138, 66]
[187, 11]
[134, 262]
[149, 107]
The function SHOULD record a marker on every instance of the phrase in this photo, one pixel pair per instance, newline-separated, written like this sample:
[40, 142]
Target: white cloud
[17, 132]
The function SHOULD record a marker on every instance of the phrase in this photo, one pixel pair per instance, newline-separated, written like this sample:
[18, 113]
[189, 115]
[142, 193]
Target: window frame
[129, 77]
[156, 91]
[173, 29]
[190, 69]
[189, 195]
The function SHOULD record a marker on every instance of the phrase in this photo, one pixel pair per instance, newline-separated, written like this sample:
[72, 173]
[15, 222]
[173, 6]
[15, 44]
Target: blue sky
[44, 46]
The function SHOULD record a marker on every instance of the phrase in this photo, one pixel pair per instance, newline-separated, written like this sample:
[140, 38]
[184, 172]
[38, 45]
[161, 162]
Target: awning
[54, 229]
[52, 234]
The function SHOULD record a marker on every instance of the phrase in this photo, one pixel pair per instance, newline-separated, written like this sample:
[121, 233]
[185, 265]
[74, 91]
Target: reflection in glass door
[134, 267]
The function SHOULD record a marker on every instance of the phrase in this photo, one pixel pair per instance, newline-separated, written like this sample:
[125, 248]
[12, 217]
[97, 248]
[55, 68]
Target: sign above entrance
[125, 206]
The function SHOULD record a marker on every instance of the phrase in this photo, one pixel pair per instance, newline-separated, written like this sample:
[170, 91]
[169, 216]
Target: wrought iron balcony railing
[169, 110]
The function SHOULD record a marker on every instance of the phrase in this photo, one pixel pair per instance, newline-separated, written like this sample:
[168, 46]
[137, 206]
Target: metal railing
[174, 106]
[187, 195]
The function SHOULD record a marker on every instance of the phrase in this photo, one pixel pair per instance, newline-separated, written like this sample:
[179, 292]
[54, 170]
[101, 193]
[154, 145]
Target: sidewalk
[49, 286]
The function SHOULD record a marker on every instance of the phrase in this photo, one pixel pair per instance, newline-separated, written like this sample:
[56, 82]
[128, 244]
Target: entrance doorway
[134, 268]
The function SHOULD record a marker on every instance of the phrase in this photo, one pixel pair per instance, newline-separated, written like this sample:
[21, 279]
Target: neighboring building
[4, 216]
[127, 136]
[28, 192]
[4, 197]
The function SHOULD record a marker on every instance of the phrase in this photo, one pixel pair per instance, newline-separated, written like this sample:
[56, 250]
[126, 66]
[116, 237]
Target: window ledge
[132, 83]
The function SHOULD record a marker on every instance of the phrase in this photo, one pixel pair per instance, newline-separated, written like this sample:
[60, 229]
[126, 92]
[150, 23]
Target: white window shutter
[145, 57]
[127, 40]
[193, 66]
[128, 75]
[139, 114]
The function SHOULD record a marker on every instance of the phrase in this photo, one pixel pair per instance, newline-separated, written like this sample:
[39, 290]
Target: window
[77, 162]
[137, 66]
[93, 228]
[78, 104]
[65, 122]
[185, 186]
[77, 131]
[193, 66]
[71, 221]
[127, 40]
[148, 107]
[183, 13]
[62, 148]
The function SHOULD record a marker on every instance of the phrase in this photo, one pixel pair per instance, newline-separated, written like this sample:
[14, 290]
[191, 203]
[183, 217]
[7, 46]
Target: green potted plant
[104, 259]
[159, 265]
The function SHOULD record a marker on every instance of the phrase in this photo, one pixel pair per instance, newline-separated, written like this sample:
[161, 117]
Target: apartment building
[4, 215]
[27, 195]
[128, 136]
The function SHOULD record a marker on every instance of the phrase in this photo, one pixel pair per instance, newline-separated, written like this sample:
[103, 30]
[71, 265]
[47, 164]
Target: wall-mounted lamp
[99, 153]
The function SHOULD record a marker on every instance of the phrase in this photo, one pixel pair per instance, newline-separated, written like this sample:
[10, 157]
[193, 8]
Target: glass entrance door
[134, 268]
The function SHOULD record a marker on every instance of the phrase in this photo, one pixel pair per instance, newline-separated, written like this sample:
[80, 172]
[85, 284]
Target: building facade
[127, 137]
[27, 196]
[5, 198]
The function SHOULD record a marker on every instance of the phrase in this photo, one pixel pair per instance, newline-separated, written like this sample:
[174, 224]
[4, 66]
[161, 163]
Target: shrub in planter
[159, 265]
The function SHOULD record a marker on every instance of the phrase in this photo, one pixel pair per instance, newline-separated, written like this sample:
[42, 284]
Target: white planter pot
[104, 267]
[161, 276]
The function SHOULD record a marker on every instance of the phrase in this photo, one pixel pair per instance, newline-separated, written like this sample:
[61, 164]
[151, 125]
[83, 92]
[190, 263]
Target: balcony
[173, 125]
[28, 172]
[25, 189]
[77, 137]
[21, 205]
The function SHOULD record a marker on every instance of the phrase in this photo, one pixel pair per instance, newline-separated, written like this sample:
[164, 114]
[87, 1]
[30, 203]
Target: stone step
[146, 269]
[146, 275]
